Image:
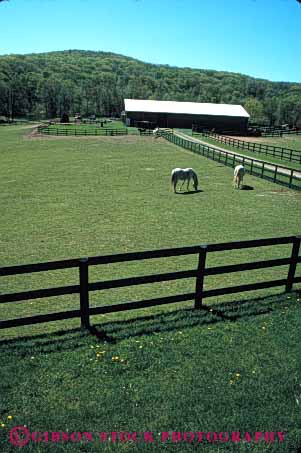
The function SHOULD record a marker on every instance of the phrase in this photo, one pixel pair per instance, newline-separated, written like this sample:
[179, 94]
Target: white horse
[184, 174]
[156, 132]
[239, 173]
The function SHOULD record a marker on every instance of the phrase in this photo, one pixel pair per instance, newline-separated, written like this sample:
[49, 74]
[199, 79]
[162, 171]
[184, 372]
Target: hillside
[48, 84]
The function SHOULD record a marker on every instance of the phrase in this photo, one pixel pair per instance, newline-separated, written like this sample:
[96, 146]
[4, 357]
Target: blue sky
[260, 38]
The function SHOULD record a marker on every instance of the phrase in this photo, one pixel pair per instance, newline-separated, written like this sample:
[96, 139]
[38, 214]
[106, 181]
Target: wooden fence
[269, 150]
[278, 174]
[279, 132]
[145, 131]
[81, 132]
[84, 287]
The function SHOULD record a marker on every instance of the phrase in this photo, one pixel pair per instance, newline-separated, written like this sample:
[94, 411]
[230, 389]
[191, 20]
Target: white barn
[221, 117]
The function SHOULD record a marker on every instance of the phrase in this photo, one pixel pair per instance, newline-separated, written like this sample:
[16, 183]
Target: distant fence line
[145, 131]
[269, 150]
[275, 173]
[199, 273]
[271, 131]
[80, 132]
[278, 132]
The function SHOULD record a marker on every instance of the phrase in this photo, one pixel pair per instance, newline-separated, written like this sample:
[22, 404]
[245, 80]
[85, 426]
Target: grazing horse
[184, 174]
[156, 132]
[239, 172]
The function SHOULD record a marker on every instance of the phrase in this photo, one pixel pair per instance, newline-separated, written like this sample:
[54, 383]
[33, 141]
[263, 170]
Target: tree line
[46, 85]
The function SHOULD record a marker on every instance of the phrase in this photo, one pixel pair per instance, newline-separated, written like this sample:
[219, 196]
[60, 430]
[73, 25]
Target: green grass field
[71, 127]
[293, 144]
[234, 368]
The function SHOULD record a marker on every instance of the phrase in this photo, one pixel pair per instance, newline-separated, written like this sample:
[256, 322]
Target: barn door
[162, 119]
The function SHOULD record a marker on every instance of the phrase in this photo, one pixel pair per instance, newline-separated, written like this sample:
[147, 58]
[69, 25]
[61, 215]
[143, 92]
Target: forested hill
[48, 84]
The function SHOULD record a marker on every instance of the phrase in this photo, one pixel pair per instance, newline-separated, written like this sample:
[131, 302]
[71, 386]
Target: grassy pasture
[69, 198]
[294, 144]
[234, 368]
[92, 127]
[180, 371]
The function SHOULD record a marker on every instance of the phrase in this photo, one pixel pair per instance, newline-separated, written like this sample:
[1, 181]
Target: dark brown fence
[269, 150]
[279, 133]
[84, 287]
[145, 131]
[278, 174]
[80, 132]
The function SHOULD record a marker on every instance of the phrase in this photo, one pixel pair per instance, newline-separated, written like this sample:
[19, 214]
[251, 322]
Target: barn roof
[191, 108]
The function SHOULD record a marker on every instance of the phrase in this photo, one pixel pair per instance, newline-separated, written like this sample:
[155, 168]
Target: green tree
[255, 109]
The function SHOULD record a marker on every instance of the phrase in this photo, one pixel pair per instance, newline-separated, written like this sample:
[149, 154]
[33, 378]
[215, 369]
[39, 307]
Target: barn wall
[177, 120]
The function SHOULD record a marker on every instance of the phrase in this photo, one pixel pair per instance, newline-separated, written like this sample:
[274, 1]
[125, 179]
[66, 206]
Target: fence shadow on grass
[115, 331]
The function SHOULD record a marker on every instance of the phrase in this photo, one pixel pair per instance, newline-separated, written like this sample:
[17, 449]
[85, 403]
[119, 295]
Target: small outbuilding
[220, 117]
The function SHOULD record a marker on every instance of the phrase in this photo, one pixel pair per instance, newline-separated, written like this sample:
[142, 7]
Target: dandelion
[2, 425]
[231, 381]
[140, 347]
[9, 417]
[237, 375]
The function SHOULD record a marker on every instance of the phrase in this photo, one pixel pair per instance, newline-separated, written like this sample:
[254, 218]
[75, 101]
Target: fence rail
[81, 132]
[279, 133]
[269, 150]
[199, 273]
[278, 174]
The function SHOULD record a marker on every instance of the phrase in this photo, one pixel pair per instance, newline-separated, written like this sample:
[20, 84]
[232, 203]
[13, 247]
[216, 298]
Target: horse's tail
[174, 180]
[196, 181]
[173, 177]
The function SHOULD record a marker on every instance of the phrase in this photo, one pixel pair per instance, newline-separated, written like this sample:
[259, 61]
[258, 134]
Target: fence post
[275, 174]
[293, 264]
[251, 169]
[84, 292]
[262, 170]
[200, 277]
